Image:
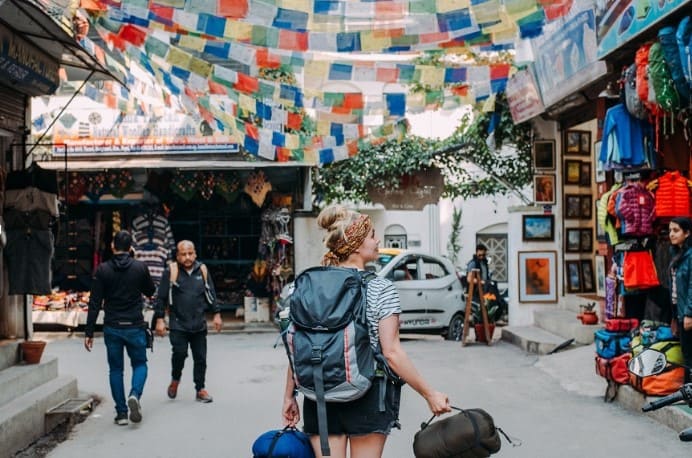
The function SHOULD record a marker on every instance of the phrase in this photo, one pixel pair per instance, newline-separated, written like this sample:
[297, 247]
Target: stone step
[533, 339]
[18, 379]
[564, 323]
[9, 353]
[677, 417]
[23, 420]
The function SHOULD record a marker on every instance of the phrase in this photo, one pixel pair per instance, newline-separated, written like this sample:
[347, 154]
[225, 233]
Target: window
[432, 268]
[497, 252]
[395, 237]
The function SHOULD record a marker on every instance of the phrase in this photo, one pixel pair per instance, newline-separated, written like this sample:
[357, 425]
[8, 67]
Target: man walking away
[118, 286]
[188, 291]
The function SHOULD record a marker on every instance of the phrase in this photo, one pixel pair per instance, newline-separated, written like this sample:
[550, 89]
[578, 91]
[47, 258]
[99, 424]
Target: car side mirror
[648, 362]
[399, 275]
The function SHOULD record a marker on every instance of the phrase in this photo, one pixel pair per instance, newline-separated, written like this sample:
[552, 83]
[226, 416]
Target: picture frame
[544, 189]
[586, 240]
[572, 171]
[538, 276]
[585, 174]
[573, 276]
[572, 206]
[538, 228]
[599, 168]
[578, 142]
[572, 240]
[544, 155]
[588, 283]
[600, 230]
[600, 274]
[585, 206]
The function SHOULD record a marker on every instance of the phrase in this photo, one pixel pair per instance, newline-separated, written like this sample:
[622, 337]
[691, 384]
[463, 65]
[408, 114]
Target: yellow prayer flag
[245, 102]
[489, 104]
[178, 58]
[445, 6]
[237, 30]
[194, 43]
[432, 76]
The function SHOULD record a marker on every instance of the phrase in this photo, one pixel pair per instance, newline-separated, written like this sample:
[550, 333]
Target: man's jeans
[198, 345]
[135, 341]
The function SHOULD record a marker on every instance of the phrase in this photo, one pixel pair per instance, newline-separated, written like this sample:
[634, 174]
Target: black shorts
[361, 416]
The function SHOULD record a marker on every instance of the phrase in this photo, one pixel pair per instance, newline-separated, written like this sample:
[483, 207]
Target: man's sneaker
[203, 396]
[173, 389]
[121, 419]
[135, 409]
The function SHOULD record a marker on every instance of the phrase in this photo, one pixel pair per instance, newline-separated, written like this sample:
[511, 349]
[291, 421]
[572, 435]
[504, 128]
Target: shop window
[497, 251]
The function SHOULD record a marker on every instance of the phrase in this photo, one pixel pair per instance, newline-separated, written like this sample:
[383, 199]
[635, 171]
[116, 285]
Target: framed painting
[599, 167]
[573, 274]
[544, 189]
[572, 171]
[573, 142]
[588, 283]
[538, 228]
[538, 276]
[572, 206]
[572, 240]
[585, 174]
[586, 240]
[585, 142]
[600, 230]
[600, 274]
[585, 205]
[544, 155]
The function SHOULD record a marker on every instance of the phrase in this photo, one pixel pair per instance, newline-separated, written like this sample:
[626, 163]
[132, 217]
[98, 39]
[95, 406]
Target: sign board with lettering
[25, 67]
[415, 191]
[523, 97]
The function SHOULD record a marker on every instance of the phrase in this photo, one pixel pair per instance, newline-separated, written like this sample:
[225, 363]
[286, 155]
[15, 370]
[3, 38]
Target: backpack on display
[327, 338]
[660, 78]
[671, 54]
[683, 37]
[641, 60]
[282, 443]
[635, 105]
[610, 344]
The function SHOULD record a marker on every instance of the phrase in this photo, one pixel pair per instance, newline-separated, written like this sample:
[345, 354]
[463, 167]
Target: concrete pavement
[553, 403]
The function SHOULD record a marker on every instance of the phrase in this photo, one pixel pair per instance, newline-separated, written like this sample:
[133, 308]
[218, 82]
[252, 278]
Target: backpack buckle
[316, 355]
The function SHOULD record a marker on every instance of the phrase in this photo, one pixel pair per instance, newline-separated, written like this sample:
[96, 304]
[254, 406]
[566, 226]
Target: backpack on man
[328, 341]
[173, 279]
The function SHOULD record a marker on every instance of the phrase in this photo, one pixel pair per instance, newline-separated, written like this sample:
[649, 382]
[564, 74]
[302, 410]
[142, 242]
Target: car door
[405, 275]
[441, 291]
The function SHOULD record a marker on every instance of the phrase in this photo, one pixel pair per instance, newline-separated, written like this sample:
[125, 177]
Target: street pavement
[552, 403]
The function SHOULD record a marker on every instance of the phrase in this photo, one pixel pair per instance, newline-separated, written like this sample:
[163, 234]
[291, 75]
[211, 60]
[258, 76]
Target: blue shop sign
[24, 67]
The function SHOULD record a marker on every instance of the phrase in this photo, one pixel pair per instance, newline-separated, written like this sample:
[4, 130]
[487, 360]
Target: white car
[432, 297]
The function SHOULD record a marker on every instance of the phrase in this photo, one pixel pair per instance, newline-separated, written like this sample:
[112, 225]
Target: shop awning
[32, 22]
[162, 163]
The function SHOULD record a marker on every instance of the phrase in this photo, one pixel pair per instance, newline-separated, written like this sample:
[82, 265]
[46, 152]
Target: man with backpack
[188, 292]
[118, 286]
[343, 346]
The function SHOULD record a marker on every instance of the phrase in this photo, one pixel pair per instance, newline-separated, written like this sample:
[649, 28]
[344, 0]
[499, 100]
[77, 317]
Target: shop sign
[621, 20]
[25, 67]
[415, 191]
[523, 97]
[87, 128]
[566, 57]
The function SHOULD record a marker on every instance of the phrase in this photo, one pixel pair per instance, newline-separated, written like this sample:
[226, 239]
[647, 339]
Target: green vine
[454, 244]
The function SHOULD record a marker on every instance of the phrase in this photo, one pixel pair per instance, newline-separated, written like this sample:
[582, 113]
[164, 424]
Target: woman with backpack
[679, 230]
[361, 425]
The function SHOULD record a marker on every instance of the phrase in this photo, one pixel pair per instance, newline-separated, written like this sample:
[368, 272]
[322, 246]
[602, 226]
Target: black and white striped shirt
[382, 302]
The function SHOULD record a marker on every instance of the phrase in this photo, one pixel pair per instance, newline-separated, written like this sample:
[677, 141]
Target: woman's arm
[290, 411]
[400, 363]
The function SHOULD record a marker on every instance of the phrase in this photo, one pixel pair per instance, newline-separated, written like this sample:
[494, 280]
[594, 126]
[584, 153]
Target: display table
[72, 318]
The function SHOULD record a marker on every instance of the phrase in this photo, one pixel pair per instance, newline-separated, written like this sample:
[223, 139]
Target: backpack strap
[318, 377]
[203, 268]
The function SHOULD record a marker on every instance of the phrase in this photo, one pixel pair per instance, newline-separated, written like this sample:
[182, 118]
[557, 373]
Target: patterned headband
[354, 235]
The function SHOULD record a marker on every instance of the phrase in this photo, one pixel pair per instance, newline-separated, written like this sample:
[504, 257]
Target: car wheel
[456, 327]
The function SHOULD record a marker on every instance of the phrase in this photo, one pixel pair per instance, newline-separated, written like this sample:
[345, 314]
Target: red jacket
[672, 195]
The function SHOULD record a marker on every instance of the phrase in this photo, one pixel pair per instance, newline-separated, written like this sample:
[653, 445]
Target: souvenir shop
[240, 221]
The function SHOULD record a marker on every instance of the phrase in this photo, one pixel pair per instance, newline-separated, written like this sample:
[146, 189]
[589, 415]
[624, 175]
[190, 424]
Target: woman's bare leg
[367, 446]
[337, 446]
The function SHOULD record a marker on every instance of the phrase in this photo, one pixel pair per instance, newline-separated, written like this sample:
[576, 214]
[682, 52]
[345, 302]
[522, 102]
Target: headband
[354, 235]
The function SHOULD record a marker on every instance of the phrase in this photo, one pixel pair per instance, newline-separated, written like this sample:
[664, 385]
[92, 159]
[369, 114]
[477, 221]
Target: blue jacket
[683, 284]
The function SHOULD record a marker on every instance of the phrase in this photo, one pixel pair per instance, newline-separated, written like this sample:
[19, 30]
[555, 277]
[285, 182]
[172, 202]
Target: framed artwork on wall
[538, 276]
[598, 165]
[544, 189]
[544, 155]
[588, 283]
[572, 206]
[600, 274]
[572, 240]
[586, 240]
[585, 204]
[538, 227]
[578, 142]
[573, 274]
[585, 174]
[572, 171]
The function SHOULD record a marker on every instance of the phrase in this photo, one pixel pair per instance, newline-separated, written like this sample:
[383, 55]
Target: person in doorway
[480, 262]
[117, 287]
[188, 292]
[679, 230]
[360, 425]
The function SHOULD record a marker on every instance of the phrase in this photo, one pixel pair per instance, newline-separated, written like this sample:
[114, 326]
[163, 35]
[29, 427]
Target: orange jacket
[672, 195]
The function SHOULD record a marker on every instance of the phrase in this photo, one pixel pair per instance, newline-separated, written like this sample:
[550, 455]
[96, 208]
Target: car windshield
[382, 260]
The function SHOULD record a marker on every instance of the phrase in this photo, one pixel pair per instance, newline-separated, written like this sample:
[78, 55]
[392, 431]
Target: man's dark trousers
[198, 345]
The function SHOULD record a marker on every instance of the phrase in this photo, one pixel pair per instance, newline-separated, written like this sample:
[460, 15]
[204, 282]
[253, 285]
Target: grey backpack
[635, 105]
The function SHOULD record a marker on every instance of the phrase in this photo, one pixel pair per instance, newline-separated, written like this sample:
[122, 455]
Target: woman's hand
[290, 412]
[438, 403]
[687, 323]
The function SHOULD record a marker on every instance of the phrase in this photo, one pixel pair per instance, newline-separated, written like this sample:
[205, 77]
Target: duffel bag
[282, 443]
[614, 369]
[469, 434]
[621, 324]
[663, 384]
[611, 344]
[670, 348]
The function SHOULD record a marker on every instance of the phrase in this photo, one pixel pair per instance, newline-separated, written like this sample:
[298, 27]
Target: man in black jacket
[118, 286]
[188, 291]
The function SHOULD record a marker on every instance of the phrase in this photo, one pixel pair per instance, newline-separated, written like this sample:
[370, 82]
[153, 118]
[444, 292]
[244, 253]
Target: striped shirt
[382, 301]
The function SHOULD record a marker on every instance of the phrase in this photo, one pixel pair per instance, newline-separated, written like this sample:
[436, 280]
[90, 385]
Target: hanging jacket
[603, 218]
[634, 206]
[624, 139]
[672, 195]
